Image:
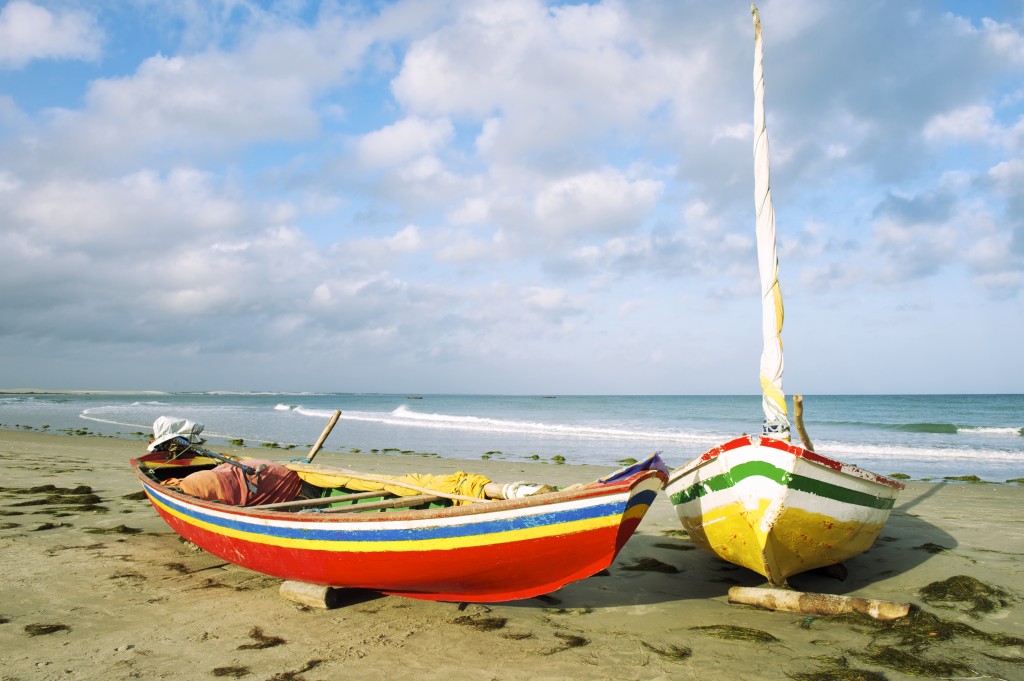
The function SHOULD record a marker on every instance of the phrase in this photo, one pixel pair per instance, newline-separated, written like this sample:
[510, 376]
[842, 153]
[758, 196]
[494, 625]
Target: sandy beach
[96, 586]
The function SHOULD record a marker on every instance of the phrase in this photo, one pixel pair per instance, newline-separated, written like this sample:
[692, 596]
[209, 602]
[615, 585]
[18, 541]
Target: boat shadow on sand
[660, 565]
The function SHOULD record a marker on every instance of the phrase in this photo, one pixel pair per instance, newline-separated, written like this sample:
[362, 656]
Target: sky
[508, 196]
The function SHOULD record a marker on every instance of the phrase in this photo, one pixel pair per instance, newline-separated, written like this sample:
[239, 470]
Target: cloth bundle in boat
[226, 483]
[465, 484]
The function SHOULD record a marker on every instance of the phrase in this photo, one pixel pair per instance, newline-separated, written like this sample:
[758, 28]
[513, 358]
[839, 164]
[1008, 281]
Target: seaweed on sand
[735, 633]
[920, 629]
[651, 565]
[672, 652]
[911, 663]
[481, 623]
[297, 674]
[44, 629]
[261, 640]
[838, 669]
[120, 529]
[901, 644]
[965, 589]
[569, 641]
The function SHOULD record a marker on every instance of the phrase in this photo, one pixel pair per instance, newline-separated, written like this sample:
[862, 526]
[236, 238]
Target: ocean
[923, 436]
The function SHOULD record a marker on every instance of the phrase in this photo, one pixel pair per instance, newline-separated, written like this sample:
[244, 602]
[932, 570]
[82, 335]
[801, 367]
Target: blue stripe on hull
[342, 531]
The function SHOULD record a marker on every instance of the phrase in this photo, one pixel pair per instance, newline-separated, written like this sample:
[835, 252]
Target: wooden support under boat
[816, 604]
[313, 595]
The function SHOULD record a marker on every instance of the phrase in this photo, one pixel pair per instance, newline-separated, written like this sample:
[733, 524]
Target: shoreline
[269, 451]
[115, 594]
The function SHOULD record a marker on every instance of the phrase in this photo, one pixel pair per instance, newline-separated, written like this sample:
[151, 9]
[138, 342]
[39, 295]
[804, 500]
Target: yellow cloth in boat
[464, 484]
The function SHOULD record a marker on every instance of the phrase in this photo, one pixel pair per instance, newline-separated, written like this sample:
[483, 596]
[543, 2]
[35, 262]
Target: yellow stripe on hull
[796, 541]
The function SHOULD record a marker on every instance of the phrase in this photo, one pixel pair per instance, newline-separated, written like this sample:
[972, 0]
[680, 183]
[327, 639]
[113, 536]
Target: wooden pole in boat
[323, 435]
[798, 419]
[817, 604]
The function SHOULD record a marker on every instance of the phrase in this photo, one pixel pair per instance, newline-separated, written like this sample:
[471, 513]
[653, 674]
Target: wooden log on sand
[816, 604]
[313, 595]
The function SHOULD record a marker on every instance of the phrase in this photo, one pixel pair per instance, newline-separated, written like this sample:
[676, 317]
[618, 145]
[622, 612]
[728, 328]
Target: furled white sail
[776, 420]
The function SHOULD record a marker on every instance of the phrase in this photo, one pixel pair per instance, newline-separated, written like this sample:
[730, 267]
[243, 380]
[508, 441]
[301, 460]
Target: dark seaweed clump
[962, 478]
[735, 633]
[965, 589]
[902, 644]
[569, 641]
[838, 669]
[44, 629]
[261, 640]
[651, 565]
[482, 623]
[672, 652]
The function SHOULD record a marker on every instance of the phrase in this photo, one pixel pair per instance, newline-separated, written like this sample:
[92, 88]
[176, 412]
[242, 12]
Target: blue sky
[508, 196]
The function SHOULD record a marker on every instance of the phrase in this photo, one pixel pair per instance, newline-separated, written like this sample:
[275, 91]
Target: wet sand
[96, 586]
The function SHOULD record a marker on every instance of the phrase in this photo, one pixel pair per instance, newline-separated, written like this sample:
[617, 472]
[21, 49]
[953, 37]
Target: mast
[773, 399]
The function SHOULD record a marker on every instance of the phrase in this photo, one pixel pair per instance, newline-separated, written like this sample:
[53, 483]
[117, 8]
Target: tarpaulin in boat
[465, 484]
[227, 483]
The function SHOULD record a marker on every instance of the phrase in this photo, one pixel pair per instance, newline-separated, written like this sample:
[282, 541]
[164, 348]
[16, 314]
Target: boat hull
[496, 551]
[779, 509]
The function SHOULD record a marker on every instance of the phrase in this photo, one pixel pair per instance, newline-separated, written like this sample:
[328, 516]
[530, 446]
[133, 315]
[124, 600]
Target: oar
[323, 436]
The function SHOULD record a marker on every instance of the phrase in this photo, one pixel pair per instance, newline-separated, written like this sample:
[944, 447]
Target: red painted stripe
[510, 571]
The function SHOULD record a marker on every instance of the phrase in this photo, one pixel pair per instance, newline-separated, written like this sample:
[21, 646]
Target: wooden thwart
[816, 604]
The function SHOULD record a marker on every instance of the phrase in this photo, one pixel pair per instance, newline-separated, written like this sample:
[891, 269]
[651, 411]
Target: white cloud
[913, 251]
[604, 201]
[28, 31]
[407, 139]
[1005, 40]
[971, 123]
[1008, 175]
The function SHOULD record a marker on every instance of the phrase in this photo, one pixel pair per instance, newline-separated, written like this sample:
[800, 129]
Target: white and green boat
[759, 501]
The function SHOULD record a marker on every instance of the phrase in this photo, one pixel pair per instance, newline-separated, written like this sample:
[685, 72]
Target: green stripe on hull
[801, 483]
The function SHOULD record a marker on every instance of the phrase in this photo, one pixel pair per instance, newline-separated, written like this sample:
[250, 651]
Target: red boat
[422, 546]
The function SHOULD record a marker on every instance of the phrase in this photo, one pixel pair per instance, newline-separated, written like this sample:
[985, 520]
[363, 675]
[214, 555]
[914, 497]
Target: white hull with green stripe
[777, 508]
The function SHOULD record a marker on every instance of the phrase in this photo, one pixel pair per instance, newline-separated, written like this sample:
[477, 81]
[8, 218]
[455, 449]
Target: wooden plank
[387, 503]
[322, 501]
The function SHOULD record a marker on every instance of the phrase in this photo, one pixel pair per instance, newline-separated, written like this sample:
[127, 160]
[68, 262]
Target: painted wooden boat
[759, 501]
[779, 509]
[420, 546]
